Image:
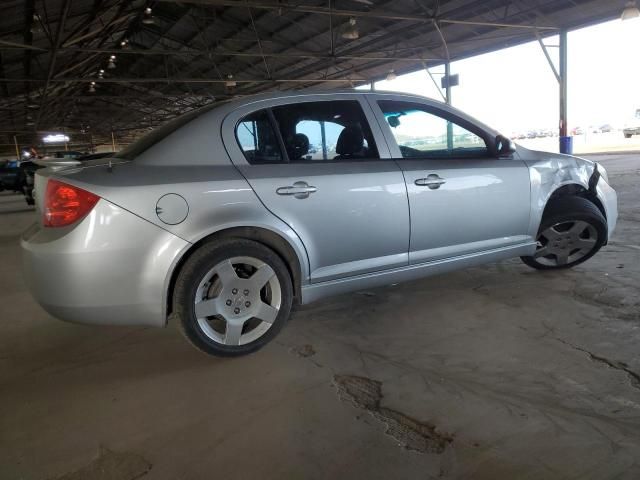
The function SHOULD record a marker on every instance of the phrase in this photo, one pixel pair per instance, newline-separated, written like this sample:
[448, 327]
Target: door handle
[298, 190]
[433, 181]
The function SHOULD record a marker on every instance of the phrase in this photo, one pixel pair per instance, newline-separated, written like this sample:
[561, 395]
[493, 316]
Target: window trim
[274, 126]
[231, 116]
[447, 116]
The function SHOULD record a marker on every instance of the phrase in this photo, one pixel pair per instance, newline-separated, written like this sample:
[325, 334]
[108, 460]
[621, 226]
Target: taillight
[65, 204]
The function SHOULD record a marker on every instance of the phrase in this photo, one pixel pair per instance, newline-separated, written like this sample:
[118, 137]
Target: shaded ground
[488, 373]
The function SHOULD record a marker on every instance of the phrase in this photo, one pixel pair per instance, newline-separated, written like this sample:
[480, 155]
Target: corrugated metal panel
[207, 40]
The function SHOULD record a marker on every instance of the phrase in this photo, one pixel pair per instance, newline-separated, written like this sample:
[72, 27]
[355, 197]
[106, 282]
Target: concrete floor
[499, 372]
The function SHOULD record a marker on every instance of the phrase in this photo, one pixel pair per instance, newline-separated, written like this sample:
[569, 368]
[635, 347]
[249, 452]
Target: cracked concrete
[533, 374]
[410, 433]
[634, 378]
[303, 351]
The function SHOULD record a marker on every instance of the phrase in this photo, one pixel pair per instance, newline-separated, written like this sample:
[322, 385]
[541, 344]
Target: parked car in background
[10, 175]
[27, 172]
[221, 219]
[95, 156]
[544, 133]
[632, 126]
[29, 167]
[64, 154]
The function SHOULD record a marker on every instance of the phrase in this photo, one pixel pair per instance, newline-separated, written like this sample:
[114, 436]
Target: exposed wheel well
[574, 189]
[266, 237]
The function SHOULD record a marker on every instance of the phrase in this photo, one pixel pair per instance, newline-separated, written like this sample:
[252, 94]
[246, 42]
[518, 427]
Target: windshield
[153, 137]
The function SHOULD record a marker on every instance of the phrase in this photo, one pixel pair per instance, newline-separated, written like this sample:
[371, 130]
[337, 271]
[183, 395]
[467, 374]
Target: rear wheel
[572, 230]
[232, 297]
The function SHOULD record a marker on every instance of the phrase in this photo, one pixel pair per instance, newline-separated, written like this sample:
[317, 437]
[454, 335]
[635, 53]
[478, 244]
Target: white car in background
[632, 127]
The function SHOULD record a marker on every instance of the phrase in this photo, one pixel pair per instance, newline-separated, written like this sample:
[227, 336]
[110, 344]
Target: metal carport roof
[191, 52]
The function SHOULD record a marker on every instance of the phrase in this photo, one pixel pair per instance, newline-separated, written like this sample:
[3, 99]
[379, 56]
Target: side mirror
[504, 146]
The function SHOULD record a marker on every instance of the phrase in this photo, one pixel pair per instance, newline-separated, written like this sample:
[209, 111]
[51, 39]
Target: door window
[257, 139]
[420, 133]
[322, 131]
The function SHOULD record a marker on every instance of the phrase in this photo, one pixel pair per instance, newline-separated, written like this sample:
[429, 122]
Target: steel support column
[563, 84]
[447, 95]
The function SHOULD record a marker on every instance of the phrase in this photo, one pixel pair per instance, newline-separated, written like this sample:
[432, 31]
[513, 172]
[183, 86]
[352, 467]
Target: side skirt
[317, 291]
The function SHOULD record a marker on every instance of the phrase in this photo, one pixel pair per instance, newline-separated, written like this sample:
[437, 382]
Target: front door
[463, 198]
[316, 164]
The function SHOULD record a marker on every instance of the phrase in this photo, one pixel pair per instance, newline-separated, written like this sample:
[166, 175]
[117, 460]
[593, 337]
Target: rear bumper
[112, 268]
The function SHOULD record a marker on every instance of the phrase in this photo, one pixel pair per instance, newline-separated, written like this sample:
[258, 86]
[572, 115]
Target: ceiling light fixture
[147, 18]
[630, 11]
[112, 62]
[55, 138]
[124, 43]
[101, 73]
[351, 32]
[92, 87]
[391, 75]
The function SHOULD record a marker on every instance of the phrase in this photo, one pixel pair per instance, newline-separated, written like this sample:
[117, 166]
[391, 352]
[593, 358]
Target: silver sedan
[225, 217]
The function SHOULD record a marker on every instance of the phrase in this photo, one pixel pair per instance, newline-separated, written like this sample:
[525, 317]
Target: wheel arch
[577, 190]
[266, 237]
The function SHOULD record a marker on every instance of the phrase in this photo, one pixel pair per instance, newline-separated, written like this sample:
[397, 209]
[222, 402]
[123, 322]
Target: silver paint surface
[363, 227]
[90, 274]
[172, 209]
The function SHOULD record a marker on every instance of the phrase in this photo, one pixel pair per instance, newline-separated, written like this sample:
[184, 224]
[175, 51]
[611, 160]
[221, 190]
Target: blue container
[566, 145]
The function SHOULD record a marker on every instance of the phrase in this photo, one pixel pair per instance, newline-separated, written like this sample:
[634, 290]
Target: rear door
[463, 198]
[321, 164]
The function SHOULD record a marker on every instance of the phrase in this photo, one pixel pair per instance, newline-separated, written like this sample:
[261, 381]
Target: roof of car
[324, 92]
[245, 100]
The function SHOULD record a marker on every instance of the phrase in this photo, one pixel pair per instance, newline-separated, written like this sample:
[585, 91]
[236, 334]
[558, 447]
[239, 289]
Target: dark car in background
[10, 175]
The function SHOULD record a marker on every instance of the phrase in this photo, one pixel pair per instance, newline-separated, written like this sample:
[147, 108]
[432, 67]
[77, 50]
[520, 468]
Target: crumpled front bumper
[609, 200]
[111, 268]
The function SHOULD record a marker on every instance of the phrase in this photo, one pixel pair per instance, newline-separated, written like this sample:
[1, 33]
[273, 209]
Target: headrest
[298, 146]
[350, 141]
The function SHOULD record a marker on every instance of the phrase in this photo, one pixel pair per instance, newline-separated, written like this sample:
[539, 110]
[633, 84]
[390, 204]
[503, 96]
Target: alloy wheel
[565, 243]
[238, 300]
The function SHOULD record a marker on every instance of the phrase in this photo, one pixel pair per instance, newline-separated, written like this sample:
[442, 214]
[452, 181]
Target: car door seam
[222, 123]
[404, 178]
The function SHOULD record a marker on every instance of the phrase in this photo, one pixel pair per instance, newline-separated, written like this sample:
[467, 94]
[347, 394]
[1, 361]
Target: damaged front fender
[551, 171]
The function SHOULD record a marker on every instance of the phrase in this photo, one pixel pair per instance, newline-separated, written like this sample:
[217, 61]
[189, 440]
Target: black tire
[195, 269]
[567, 209]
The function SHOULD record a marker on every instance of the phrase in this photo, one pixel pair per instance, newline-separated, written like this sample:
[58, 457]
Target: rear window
[150, 139]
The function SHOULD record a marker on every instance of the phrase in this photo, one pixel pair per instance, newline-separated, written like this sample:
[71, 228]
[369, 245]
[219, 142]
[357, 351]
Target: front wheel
[232, 297]
[572, 230]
